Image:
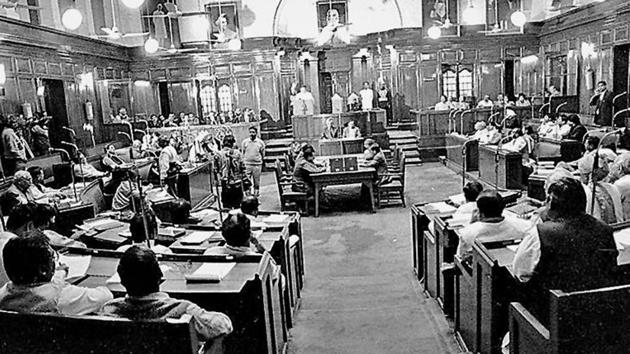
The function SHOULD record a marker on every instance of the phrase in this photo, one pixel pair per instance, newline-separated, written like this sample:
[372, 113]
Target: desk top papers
[210, 272]
[77, 265]
[440, 207]
[457, 199]
[196, 238]
[276, 219]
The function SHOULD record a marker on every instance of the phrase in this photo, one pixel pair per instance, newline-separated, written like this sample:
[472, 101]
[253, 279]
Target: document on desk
[77, 265]
[457, 199]
[276, 219]
[210, 273]
[196, 238]
[441, 207]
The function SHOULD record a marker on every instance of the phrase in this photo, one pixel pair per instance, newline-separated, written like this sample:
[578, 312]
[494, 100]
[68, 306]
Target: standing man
[367, 97]
[253, 153]
[13, 149]
[604, 105]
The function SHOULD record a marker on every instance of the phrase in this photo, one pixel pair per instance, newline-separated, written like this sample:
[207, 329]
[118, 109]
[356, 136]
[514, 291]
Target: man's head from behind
[139, 271]
[472, 190]
[29, 259]
[490, 204]
[136, 227]
[249, 205]
[22, 180]
[236, 230]
[566, 197]
[21, 218]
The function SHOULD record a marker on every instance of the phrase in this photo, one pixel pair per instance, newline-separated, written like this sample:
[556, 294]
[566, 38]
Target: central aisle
[361, 295]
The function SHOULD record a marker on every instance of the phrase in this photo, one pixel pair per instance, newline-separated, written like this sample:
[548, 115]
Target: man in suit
[570, 251]
[604, 105]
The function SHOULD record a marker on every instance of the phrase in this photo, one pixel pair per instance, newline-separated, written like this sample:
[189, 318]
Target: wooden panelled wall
[31, 54]
[604, 25]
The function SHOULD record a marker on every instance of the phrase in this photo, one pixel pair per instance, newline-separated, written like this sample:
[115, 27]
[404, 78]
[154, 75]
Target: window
[225, 98]
[207, 95]
[465, 83]
[449, 83]
[33, 12]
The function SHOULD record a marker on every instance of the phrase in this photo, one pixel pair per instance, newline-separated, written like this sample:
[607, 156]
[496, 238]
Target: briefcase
[350, 163]
[336, 164]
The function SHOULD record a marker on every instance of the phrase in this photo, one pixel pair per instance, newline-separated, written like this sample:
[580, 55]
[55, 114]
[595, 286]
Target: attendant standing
[603, 102]
[13, 149]
[253, 157]
[367, 97]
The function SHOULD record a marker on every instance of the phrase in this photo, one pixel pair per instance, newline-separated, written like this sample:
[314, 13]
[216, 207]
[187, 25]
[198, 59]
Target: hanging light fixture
[133, 4]
[151, 45]
[434, 32]
[518, 18]
[72, 18]
[471, 15]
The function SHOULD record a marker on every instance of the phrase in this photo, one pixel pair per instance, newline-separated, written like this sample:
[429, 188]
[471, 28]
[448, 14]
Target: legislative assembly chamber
[314, 176]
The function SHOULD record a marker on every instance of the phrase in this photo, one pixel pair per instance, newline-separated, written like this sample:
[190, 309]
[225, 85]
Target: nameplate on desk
[210, 273]
[336, 164]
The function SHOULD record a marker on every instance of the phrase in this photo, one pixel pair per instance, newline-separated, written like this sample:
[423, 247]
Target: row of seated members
[564, 127]
[562, 248]
[448, 103]
[351, 131]
[37, 281]
[182, 119]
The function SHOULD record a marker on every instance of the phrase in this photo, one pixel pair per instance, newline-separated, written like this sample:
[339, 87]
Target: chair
[395, 189]
[287, 195]
[53, 333]
[591, 321]
[93, 193]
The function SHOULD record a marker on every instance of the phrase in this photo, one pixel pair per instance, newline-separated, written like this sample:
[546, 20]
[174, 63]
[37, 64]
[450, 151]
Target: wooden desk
[446, 241]
[340, 147]
[364, 175]
[454, 147]
[193, 183]
[250, 295]
[559, 150]
[71, 216]
[509, 167]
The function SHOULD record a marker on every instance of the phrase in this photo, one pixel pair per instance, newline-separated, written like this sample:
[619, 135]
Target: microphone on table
[76, 148]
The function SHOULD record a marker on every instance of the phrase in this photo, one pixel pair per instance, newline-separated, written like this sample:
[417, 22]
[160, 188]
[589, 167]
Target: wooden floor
[361, 295]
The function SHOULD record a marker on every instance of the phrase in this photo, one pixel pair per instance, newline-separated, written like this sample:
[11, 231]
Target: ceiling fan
[114, 32]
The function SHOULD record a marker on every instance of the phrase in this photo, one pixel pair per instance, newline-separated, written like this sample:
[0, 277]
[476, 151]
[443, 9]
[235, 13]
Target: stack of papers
[103, 224]
[258, 225]
[210, 272]
[205, 214]
[457, 199]
[441, 207]
[171, 231]
[276, 219]
[196, 238]
[77, 265]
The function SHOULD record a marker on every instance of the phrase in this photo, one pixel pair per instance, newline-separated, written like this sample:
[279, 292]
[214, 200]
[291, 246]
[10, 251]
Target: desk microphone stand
[64, 152]
[76, 149]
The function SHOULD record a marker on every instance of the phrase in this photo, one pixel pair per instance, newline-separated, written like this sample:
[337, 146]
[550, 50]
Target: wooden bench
[591, 321]
[52, 333]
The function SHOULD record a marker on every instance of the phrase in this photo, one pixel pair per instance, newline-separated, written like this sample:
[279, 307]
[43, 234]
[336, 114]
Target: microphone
[74, 134]
[126, 135]
[64, 152]
[74, 146]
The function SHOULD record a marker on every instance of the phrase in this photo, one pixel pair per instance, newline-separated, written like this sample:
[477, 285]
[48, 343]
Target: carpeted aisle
[361, 295]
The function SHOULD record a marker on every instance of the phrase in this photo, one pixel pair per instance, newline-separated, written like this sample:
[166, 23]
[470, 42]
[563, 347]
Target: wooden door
[181, 97]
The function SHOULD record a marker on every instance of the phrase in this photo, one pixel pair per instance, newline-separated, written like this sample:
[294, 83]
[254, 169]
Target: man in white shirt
[492, 135]
[351, 131]
[253, 157]
[35, 286]
[492, 224]
[304, 101]
[571, 251]
[485, 103]
[465, 211]
[442, 105]
[367, 97]
[480, 130]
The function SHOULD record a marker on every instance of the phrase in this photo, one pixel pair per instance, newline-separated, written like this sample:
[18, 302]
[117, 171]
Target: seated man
[37, 190]
[141, 275]
[491, 223]
[330, 131]
[249, 207]
[238, 238]
[571, 251]
[304, 166]
[367, 153]
[180, 212]
[584, 165]
[111, 160]
[379, 162]
[30, 265]
[480, 130]
[84, 170]
[466, 210]
[19, 192]
[122, 197]
[43, 219]
[18, 222]
[492, 135]
[485, 103]
[577, 131]
[139, 236]
[351, 131]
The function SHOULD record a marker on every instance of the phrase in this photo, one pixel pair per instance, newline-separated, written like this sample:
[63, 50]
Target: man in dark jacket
[603, 102]
[571, 251]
